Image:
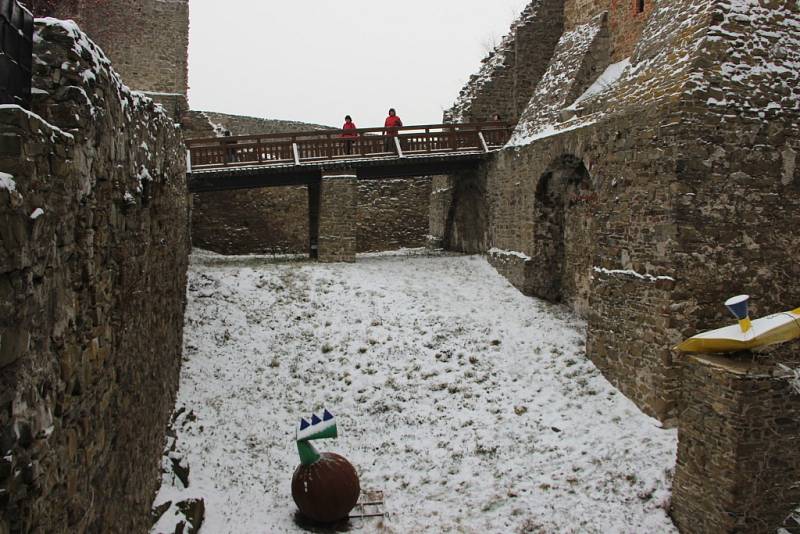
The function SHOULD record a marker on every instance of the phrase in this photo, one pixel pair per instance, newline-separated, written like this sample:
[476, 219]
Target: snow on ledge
[33, 115]
[500, 252]
[629, 272]
[603, 82]
[519, 140]
[7, 182]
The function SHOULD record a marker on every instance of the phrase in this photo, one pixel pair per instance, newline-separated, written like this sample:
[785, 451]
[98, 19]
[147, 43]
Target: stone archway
[564, 234]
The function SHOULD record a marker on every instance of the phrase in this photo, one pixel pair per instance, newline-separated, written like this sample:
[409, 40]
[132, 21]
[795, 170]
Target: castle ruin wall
[510, 73]
[95, 239]
[691, 157]
[147, 41]
[738, 441]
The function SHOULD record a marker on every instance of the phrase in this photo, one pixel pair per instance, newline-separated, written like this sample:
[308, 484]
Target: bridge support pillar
[335, 221]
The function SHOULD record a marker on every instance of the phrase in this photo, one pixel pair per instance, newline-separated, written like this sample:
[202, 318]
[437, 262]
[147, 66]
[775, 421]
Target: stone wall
[147, 40]
[336, 216]
[626, 21]
[440, 202]
[584, 218]
[739, 184]
[690, 185]
[243, 125]
[678, 154]
[253, 221]
[738, 444]
[581, 55]
[509, 74]
[392, 213]
[94, 229]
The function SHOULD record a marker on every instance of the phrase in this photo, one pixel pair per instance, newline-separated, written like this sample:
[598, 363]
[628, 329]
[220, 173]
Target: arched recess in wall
[564, 234]
[465, 225]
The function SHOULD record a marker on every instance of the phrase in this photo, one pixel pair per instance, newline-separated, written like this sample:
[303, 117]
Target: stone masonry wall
[147, 40]
[581, 55]
[440, 202]
[392, 213]
[338, 204]
[510, 73]
[738, 444]
[94, 233]
[626, 22]
[616, 219]
[691, 156]
[739, 182]
[684, 167]
[254, 221]
[243, 125]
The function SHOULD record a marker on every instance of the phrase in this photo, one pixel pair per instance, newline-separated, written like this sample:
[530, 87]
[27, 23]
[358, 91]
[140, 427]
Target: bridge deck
[300, 158]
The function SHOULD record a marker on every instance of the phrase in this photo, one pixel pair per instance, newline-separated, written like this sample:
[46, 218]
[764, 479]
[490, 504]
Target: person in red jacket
[348, 133]
[391, 124]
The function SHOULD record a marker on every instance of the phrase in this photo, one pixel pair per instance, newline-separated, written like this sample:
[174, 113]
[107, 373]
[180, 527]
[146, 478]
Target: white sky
[318, 60]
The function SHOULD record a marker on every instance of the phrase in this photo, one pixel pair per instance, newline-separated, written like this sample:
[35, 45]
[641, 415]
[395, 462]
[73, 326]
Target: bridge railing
[323, 145]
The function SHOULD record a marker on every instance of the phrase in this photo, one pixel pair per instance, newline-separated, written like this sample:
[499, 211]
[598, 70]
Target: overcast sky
[318, 60]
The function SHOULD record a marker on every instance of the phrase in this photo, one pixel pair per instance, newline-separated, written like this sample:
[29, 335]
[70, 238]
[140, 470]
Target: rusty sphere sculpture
[326, 490]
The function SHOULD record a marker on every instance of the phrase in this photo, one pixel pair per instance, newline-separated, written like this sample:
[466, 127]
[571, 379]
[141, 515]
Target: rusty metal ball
[326, 490]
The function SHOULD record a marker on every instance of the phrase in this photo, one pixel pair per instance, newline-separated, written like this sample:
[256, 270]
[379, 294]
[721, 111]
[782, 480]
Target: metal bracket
[483, 142]
[296, 151]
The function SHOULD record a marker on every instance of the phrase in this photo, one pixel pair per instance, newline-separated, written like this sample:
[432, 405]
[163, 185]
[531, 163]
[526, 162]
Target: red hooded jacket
[349, 126]
[392, 123]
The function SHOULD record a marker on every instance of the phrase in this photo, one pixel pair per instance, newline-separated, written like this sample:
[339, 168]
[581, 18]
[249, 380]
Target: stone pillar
[738, 444]
[313, 220]
[338, 223]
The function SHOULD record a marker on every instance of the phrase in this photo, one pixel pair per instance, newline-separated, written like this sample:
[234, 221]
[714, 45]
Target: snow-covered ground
[472, 406]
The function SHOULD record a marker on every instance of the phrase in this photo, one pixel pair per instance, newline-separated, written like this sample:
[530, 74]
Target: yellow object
[745, 324]
[769, 330]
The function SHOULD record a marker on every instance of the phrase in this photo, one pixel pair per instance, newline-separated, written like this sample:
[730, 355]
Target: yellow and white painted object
[769, 330]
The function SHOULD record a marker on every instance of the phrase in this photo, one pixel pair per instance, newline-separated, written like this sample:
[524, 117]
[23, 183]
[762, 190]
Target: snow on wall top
[78, 91]
[566, 78]
[660, 65]
[754, 52]
[492, 66]
[90, 64]
[734, 55]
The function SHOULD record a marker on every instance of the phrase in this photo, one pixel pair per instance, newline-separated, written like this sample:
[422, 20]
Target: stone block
[14, 343]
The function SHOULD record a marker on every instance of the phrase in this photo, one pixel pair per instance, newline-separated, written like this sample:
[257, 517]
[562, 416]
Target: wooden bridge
[250, 161]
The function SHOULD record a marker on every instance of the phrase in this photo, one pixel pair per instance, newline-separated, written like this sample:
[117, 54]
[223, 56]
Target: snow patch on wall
[7, 182]
[629, 272]
[500, 252]
[604, 82]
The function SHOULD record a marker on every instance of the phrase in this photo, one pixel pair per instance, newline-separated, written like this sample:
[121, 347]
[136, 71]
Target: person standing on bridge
[391, 124]
[348, 133]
